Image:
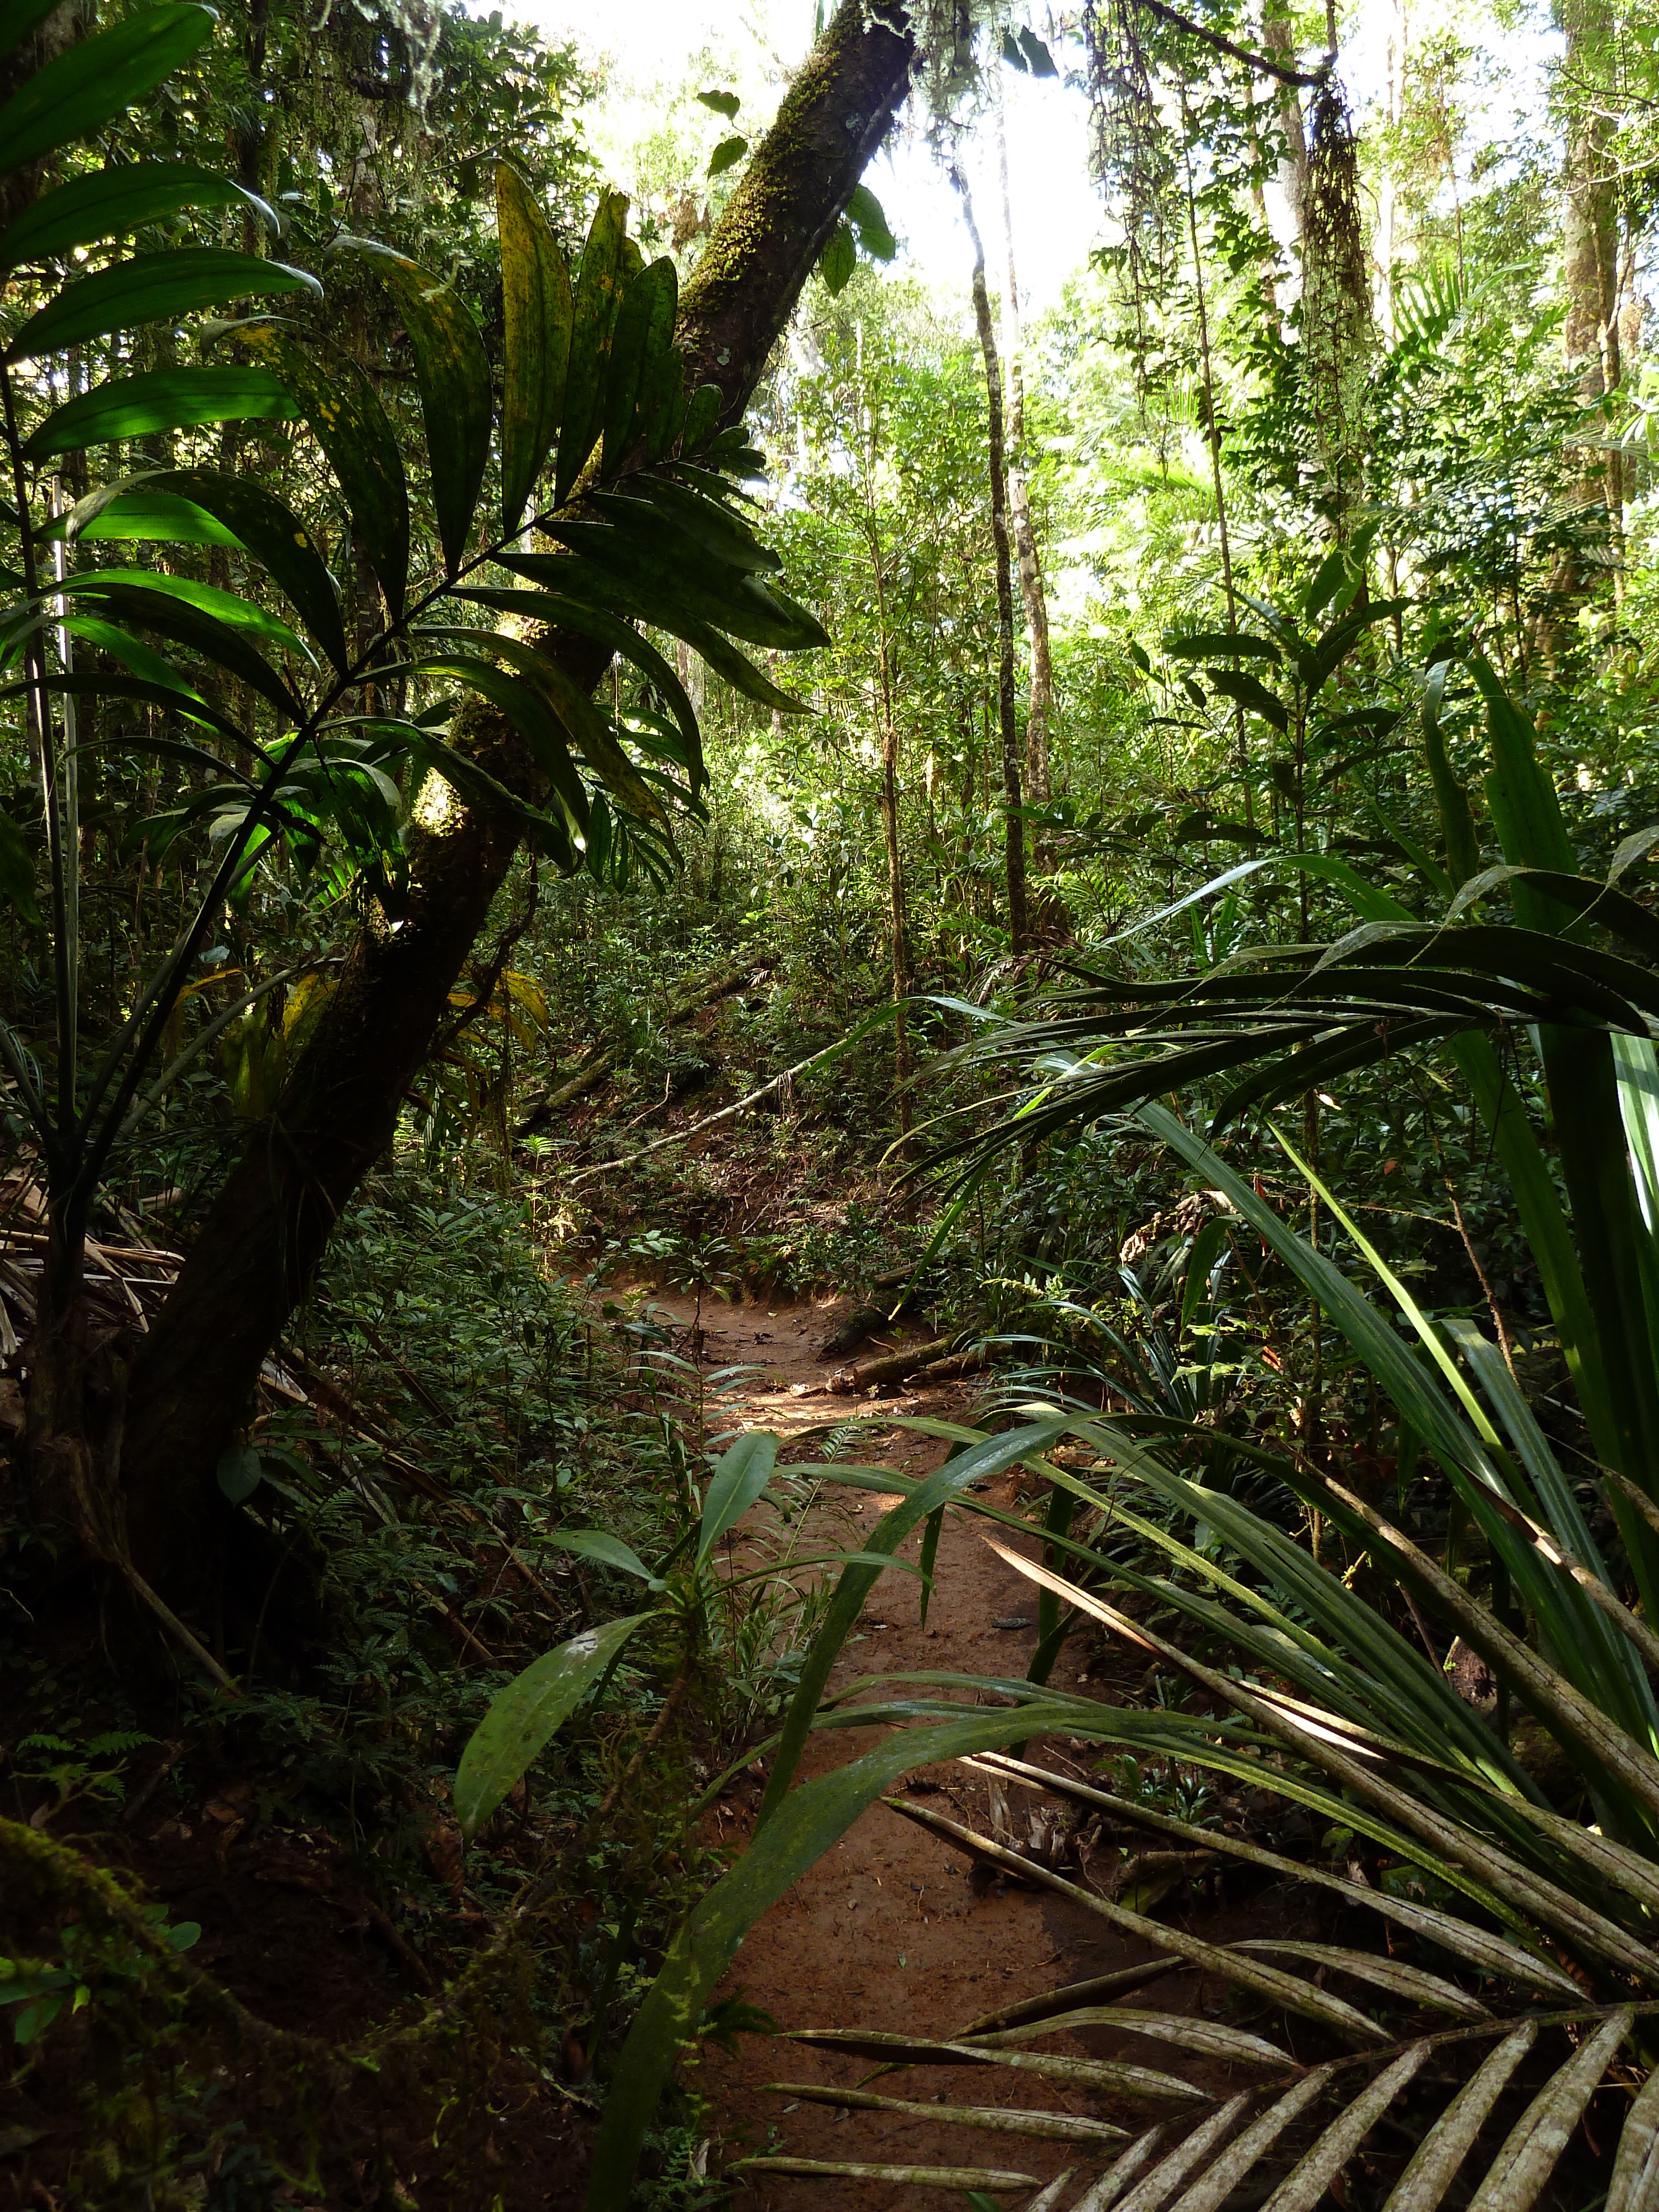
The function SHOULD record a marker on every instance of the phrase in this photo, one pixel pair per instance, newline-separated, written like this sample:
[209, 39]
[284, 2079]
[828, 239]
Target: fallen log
[941, 1358]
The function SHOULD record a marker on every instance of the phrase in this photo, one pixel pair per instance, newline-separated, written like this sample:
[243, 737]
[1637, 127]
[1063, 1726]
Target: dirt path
[889, 1930]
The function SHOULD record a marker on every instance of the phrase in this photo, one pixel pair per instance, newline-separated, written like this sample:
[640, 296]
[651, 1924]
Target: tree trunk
[196, 1375]
[1590, 247]
[898, 927]
[1019, 932]
[1040, 702]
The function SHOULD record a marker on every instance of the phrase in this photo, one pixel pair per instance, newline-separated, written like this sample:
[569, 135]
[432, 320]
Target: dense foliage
[1163, 889]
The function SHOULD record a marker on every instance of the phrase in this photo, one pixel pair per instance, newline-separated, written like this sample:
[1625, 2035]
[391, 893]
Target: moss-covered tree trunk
[195, 1378]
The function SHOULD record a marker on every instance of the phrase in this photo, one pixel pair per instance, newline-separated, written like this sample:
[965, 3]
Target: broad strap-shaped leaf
[160, 399]
[901, 2177]
[1407, 1985]
[142, 660]
[275, 535]
[78, 91]
[343, 409]
[1635, 2181]
[739, 1476]
[452, 373]
[1307, 2182]
[171, 616]
[152, 287]
[601, 280]
[526, 708]
[997, 2119]
[126, 511]
[1265, 1982]
[604, 1549]
[1211, 2188]
[642, 339]
[113, 202]
[1209, 2038]
[1123, 2172]
[548, 608]
[475, 786]
[538, 309]
[806, 1824]
[1435, 2162]
[230, 608]
[524, 1716]
[892, 2048]
[1154, 2190]
[588, 730]
[1529, 2152]
[1238, 685]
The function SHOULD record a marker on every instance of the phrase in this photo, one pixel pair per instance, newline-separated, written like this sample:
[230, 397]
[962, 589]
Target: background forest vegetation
[606, 725]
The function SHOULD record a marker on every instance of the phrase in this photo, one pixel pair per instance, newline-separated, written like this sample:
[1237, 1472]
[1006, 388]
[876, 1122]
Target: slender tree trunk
[1019, 931]
[897, 921]
[1041, 702]
[258, 1249]
[1590, 245]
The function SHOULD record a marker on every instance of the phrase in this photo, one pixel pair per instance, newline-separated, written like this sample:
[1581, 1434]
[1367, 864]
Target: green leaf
[476, 786]
[838, 260]
[808, 1822]
[1328, 579]
[643, 336]
[738, 1480]
[239, 1473]
[600, 281]
[17, 871]
[171, 616]
[703, 412]
[1457, 821]
[605, 1550]
[142, 660]
[128, 515]
[855, 1583]
[230, 608]
[1040, 61]
[84, 88]
[275, 535]
[152, 287]
[527, 708]
[863, 212]
[593, 622]
[452, 371]
[728, 155]
[1011, 54]
[723, 103]
[113, 202]
[739, 671]
[1237, 683]
[523, 1718]
[163, 399]
[538, 309]
[343, 409]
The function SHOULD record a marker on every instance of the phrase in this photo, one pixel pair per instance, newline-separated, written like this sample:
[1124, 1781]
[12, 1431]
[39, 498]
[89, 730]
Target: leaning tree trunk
[257, 1252]
[1017, 929]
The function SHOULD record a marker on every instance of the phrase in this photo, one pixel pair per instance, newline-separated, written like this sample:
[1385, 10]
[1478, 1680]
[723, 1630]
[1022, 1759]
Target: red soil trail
[892, 1929]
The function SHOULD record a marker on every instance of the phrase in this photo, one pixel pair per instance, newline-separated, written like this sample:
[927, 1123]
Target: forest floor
[893, 1929]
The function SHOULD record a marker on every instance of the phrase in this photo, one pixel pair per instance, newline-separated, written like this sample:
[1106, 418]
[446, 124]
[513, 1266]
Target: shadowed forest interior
[830, 1106]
